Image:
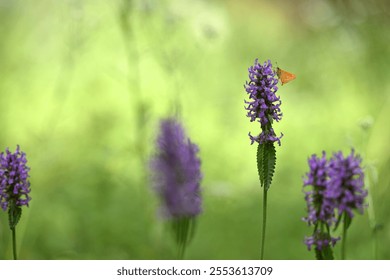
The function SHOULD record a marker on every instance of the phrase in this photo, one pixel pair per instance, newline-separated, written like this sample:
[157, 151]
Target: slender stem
[343, 240]
[264, 221]
[14, 242]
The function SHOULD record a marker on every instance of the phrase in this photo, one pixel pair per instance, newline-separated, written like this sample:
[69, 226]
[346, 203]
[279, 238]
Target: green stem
[264, 221]
[14, 242]
[343, 240]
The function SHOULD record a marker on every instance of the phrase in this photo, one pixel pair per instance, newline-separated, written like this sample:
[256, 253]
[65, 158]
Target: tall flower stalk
[14, 188]
[320, 208]
[176, 177]
[336, 192]
[264, 106]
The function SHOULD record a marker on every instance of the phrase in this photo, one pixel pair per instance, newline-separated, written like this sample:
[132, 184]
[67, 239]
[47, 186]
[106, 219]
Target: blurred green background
[83, 85]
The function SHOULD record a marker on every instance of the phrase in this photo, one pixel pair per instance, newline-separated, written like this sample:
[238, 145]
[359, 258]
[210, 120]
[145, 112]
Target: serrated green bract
[260, 157]
[266, 160]
[14, 214]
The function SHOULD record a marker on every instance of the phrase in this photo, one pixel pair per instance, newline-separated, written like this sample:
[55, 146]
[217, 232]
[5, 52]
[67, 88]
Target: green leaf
[337, 223]
[183, 229]
[260, 163]
[266, 160]
[318, 254]
[327, 253]
[14, 214]
[347, 220]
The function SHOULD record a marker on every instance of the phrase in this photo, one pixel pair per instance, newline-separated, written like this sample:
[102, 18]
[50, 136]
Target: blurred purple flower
[345, 184]
[14, 184]
[176, 172]
[320, 240]
[319, 207]
[264, 105]
[337, 188]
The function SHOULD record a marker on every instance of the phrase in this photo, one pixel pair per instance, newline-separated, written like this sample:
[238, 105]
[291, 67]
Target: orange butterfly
[284, 76]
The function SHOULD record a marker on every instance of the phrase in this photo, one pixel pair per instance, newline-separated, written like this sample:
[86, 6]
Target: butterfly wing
[284, 76]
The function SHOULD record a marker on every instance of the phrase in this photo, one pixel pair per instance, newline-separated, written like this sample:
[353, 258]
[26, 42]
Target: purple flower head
[14, 184]
[320, 240]
[176, 172]
[337, 189]
[264, 105]
[319, 207]
[345, 184]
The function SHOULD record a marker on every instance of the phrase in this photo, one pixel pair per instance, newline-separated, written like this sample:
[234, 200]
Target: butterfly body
[284, 76]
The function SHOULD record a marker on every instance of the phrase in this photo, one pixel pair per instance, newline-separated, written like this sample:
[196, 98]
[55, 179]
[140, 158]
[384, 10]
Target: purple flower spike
[264, 105]
[176, 172]
[319, 207]
[337, 190]
[14, 184]
[345, 185]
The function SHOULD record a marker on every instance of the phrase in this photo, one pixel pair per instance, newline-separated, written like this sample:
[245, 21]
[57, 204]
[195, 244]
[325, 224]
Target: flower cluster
[319, 207]
[346, 182]
[337, 189]
[14, 184]
[320, 240]
[176, 172]
[264, 105]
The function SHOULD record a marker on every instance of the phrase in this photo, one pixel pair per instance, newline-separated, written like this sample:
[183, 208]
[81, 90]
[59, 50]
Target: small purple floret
[14, 184]
[264, 105]
[176, 172]
[320, 241]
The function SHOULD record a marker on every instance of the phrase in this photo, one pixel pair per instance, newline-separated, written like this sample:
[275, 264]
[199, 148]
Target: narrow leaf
[260, 163]
[269, 162]
[347, 220]
[266, 160]
[14, 214]
[337, 223]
